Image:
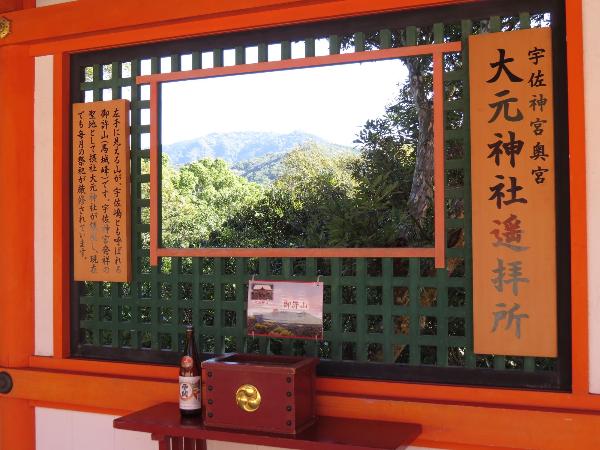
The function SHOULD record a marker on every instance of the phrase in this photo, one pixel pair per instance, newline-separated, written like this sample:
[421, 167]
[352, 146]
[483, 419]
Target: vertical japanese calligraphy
[512, 165]
[101, 191]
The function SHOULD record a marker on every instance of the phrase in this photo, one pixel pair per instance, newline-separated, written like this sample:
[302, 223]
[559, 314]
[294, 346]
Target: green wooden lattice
[393, 311]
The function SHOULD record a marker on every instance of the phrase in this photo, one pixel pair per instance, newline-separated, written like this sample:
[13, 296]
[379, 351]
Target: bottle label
[189, 393]
[187, 362]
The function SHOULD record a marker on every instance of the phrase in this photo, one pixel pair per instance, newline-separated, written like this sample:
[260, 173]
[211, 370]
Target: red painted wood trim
[183, 18]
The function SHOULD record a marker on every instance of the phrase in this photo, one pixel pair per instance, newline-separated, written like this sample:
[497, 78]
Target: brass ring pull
[248, 398]
[4, 27]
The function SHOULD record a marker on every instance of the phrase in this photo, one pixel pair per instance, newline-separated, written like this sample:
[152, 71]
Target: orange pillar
[17, 424]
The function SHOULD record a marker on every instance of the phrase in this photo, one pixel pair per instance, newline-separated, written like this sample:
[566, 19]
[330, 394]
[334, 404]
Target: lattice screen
[384, 318]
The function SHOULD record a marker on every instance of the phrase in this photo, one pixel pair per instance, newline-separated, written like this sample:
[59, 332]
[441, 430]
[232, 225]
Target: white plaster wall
[591, 57]
[71, 430]
[39, 3]
[57, 429]
[43, 191]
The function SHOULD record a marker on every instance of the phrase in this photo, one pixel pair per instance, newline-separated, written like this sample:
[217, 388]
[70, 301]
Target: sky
[332, 102]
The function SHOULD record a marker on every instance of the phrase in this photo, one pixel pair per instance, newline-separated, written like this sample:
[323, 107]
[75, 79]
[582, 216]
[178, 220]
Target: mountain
[240, 146]
[261, 170]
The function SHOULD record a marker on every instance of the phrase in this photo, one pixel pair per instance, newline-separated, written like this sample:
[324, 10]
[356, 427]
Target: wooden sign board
[512, 166]
[101, 191]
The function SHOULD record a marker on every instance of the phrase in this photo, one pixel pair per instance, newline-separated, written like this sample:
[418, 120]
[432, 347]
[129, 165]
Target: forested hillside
[242, 146]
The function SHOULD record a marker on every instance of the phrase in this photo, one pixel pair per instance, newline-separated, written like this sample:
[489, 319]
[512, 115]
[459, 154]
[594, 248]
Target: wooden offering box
[274, 394]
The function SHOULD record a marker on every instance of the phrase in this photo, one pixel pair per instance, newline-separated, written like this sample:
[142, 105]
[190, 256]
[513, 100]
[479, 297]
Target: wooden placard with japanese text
[512, 167]
[101, 191]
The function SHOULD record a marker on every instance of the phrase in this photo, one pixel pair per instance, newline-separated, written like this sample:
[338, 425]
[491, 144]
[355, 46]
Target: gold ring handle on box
[4, 27]
[248, 398]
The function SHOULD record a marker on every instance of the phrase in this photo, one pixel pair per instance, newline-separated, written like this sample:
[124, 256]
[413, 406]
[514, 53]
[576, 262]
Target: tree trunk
[422, 184]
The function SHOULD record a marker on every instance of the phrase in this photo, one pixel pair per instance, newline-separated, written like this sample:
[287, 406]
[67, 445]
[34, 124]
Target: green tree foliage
[296, 209]
[198, 198]
[385, 172]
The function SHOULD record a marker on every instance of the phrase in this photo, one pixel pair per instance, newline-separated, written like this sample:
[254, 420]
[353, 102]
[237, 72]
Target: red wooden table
[172, 432]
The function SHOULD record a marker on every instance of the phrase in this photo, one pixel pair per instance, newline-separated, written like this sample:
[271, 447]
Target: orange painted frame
[438, 251]
[362, 390]
[349, 398]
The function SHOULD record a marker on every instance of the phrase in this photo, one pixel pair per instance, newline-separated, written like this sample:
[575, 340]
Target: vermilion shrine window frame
[438, 251]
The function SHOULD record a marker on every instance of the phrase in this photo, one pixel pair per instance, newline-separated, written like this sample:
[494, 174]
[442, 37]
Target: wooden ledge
[164, 423]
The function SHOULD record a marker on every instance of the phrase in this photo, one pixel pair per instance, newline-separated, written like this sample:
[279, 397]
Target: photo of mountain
[285, 309]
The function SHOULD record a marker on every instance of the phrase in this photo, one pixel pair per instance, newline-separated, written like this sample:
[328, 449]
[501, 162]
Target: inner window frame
[438, 251]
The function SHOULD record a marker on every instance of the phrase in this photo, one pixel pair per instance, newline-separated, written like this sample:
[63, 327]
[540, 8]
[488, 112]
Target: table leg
[163, 441]
[175, 443]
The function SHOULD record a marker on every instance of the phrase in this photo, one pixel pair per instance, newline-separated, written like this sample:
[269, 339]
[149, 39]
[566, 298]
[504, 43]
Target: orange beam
[114, 368]
[87, 17]
[82, 391]
[466, 395]
[445, 425]
[448, 425]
